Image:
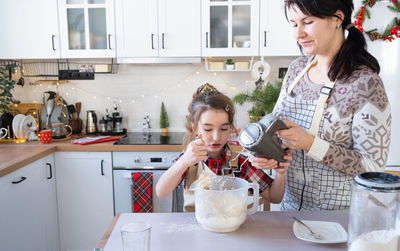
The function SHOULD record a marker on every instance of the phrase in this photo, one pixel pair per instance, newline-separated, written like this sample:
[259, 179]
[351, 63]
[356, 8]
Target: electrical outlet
[74, 75]
[282, 72]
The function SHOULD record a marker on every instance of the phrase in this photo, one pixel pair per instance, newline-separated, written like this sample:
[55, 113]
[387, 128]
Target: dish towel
[142, 186]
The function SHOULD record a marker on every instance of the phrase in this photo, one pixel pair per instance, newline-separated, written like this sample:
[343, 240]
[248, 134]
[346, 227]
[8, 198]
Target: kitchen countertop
[14, 156]
[261, 231]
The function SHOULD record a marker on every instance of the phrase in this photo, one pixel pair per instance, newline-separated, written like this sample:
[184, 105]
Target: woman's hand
[195, 152]
[296, 137]
[264, 163]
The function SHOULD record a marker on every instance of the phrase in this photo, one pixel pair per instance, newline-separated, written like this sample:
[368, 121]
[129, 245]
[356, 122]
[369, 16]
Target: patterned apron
[311, 185]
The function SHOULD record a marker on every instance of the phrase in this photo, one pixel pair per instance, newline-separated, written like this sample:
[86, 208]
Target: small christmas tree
[164, 123]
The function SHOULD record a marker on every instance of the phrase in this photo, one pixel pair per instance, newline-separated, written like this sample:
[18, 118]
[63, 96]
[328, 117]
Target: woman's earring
[337, 27]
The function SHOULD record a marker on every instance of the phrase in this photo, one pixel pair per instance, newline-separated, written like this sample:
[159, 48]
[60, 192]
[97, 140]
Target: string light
[162, 92]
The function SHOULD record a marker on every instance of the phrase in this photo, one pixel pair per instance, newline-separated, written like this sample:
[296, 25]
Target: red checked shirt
[247, 172]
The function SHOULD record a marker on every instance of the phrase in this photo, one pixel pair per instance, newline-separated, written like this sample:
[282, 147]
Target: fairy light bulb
[94, 97]
[108, 98]
[186, 80]
[215, 74]
[133, 101]
[197, 72]
[66, 93]
[120, 101]
[142, 95]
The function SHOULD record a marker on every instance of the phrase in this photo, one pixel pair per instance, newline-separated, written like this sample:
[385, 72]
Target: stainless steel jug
[91, 122]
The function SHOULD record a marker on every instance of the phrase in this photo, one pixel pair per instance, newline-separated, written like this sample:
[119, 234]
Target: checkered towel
[142, 186]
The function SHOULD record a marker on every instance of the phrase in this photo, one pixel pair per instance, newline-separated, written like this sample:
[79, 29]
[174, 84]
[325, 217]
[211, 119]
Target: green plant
[6, 86]
[229, 61]
[263, 99]
[164, 123]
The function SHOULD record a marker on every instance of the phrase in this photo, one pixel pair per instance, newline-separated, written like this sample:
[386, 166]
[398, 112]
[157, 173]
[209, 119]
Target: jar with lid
[374, 206]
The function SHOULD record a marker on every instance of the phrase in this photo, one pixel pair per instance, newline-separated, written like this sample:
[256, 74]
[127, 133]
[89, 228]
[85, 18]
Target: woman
[335, 105]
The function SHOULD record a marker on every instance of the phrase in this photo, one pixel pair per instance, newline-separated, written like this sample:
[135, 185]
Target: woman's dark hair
[207, 98]
[352, 53]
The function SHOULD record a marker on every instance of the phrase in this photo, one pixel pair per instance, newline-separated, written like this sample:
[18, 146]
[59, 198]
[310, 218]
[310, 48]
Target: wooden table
[261, 231]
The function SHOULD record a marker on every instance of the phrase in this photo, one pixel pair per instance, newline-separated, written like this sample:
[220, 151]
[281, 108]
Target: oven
[125, 163]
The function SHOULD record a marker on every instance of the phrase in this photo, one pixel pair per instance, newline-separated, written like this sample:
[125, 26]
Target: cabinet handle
[265, 38]
[102, 167]
[152, 43]
[22, 179]
[109, 41]
[51, 171]
[52, 42]
[207, 39]
[162, 40]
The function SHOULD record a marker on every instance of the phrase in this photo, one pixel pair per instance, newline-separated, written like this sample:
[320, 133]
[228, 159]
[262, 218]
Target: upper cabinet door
[136, 26]
[29, 29]
[179, 28]
[230, 27]
[276, 35]
[87, 28]
[158, 28]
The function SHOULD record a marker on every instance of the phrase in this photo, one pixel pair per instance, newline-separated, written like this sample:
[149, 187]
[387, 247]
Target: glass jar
[374, 206]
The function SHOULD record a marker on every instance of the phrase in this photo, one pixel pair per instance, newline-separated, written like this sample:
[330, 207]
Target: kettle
[260, 138]
[91, 122]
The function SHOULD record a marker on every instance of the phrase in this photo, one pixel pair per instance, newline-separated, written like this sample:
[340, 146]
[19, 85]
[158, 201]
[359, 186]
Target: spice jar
[374, 205]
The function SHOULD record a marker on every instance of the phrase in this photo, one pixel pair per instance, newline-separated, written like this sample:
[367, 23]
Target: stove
[152, 138]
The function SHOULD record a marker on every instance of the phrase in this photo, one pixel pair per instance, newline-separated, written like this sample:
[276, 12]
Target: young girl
[208, 126]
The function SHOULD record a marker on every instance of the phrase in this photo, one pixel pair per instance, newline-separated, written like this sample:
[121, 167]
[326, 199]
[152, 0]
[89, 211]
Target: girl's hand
[195, 152]
[264, 163]
[296, 137]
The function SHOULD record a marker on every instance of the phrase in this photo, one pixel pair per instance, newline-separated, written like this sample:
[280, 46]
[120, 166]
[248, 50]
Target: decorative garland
[391, 31]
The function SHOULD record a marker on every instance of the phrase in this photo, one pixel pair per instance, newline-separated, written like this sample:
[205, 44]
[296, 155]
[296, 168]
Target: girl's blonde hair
[206, 97]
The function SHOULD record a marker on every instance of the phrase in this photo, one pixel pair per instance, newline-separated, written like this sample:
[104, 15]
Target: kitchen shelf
[51, 67]
[222, 62]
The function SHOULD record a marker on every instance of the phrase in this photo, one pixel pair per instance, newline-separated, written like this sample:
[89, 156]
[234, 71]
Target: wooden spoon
[78, 106]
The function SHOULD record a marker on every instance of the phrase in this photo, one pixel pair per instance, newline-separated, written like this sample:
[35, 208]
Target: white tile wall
[139, 89]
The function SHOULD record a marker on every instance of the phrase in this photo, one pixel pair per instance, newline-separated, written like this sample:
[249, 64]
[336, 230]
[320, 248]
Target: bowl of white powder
[221, 202]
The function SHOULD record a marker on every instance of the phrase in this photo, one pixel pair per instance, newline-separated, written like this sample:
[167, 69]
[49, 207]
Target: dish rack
[51, 67]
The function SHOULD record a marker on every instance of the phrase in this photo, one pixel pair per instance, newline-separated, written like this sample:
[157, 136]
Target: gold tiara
[206, 88]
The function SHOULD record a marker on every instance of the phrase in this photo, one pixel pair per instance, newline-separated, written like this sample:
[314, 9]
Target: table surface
[261, 231]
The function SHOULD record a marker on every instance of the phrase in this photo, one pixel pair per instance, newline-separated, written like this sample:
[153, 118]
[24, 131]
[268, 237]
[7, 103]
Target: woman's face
[316, 35]
[214, 128]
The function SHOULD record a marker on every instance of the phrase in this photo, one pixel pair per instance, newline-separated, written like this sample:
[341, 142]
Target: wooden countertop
[14, 156]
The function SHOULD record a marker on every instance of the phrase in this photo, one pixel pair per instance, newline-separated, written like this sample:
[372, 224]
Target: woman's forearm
[277, 188]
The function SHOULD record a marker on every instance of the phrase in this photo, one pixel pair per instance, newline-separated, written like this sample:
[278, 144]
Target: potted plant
[6, 86]
[229, 64]
[164, 123]
[263, 99]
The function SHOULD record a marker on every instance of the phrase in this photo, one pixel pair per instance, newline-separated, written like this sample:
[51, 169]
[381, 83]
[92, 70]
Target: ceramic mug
[45, 136]
[3, 133]
[59, 130]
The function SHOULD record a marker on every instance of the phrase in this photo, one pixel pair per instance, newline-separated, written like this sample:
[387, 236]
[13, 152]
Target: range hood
[159, 60]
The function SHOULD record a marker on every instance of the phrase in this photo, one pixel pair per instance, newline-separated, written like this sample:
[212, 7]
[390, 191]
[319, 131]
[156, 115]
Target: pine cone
[371, 3]
[375, 35]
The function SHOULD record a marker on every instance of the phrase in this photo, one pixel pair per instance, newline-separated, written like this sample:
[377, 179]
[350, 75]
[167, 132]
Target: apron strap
[323, 96]
[319, 109]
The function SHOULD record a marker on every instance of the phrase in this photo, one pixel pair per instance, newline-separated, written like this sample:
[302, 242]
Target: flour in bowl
[376, 241]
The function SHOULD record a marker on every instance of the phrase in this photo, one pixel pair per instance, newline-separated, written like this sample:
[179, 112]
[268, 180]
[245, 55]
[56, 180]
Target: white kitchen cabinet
[29, 29]
[87, 28]
[158, 28]
[276, 35]
[28, 212]
[230, 28]
[85, 200]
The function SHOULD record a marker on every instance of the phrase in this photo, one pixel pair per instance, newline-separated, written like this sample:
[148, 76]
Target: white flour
[222, 212]
[376, 241]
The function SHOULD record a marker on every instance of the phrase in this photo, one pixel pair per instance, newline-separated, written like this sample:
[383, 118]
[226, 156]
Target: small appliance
[261, 140]
[91, 122]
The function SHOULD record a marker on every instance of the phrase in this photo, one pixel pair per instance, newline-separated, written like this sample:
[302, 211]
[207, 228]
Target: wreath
[391, 31]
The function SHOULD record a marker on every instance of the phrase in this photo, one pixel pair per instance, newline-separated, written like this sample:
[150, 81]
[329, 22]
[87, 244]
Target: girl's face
[316, 35]
[214, 128]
